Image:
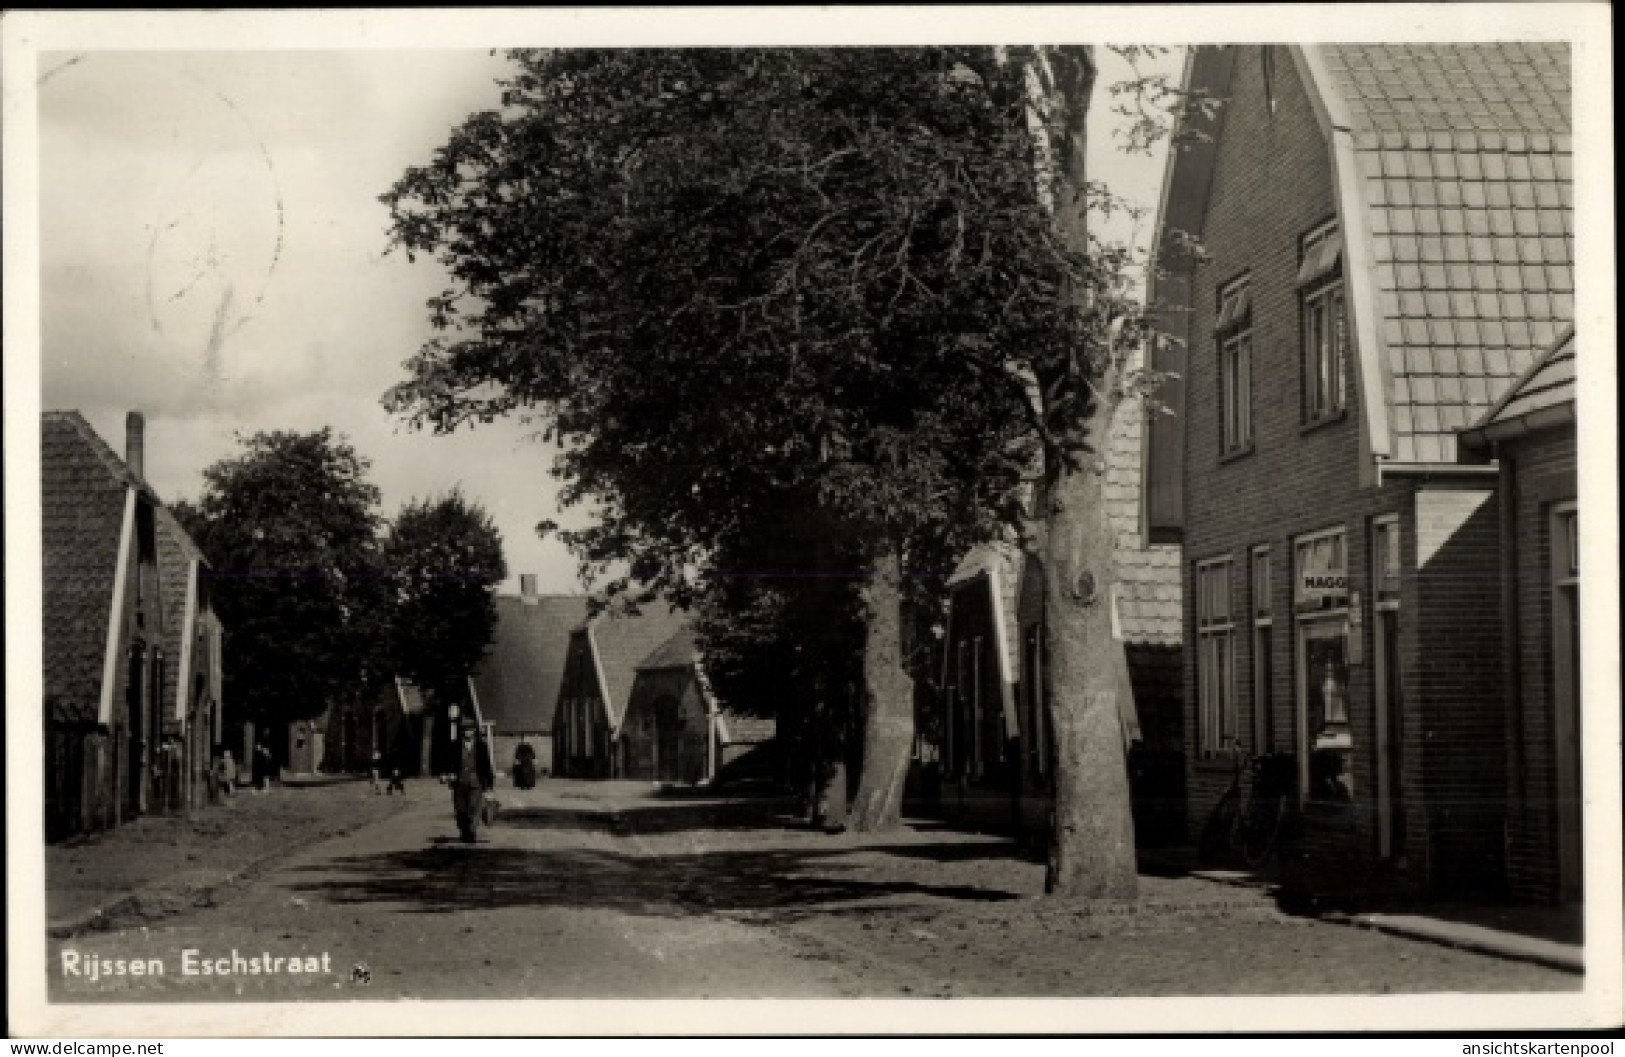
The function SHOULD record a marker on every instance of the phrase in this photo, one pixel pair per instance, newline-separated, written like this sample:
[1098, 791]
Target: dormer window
[1324, 323]
[1233, 342]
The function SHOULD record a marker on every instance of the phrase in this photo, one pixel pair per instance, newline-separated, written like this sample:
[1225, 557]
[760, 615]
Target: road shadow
[776, 885]
[658, 817]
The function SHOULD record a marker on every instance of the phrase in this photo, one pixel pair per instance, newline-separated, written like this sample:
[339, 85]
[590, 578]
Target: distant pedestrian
[372, 771]
[226, 773]
[263, 766]
[474, 778]
[395, 783]
[524, 766]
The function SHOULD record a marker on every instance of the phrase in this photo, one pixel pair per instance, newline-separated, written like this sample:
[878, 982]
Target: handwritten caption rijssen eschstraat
[92, 967]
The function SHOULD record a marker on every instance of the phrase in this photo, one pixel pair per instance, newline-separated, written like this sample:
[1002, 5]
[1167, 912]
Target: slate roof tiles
[1545, 394]
[82, 494]
[622, 642]
[1465, 157]
[518, 678]
[682, 651]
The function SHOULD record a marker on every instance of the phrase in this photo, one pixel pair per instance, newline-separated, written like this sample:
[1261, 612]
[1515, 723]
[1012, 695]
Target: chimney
[527, 588]
[135, 428]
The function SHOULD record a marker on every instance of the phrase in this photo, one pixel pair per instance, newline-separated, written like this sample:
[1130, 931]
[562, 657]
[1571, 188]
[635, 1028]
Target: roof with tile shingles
[1544, 396]
[1465, 162]
[621, 642]
[176, 553]
[82, 495]
[518, 678]
[682, 651]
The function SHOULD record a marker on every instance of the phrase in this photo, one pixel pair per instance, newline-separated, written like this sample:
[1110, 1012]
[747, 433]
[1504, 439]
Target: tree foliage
[289, 527]
[733, 281]
[721, 275]
[444, 559]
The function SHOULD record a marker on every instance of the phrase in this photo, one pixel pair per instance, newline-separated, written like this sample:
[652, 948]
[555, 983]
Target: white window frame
[1323, 325]
[1216, 656]
[1233, 349]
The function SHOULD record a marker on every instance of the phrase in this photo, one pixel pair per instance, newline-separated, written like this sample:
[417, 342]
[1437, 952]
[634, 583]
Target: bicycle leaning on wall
[1247, 818]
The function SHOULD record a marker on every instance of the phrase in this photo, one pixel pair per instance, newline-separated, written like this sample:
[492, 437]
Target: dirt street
[587, 890]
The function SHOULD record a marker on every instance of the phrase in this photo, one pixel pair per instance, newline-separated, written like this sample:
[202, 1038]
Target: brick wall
[1271, 185]
[1456, 685]
[1546, 473]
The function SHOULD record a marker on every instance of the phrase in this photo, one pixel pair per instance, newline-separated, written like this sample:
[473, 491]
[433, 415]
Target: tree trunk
[888, 727]
[1092, 849]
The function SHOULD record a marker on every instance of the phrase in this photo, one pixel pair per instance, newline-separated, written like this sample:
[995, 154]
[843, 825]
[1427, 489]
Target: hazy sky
[212, 253]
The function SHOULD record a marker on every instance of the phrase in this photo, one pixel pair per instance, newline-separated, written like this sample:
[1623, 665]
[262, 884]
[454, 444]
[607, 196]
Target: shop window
[1385, 559]
[1320, 602]
[1324, 323]
[1215, 633]
[1233, 339]
[1263, 650]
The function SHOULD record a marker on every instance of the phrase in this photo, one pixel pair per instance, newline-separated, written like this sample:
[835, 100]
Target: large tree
[720, 275]
[289, 526]
[725, 276]
[442, 560]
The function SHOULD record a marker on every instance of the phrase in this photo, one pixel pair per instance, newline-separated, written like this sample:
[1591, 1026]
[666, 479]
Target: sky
[213, 253]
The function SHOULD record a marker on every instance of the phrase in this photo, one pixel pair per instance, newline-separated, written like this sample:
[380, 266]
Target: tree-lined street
[600, 890]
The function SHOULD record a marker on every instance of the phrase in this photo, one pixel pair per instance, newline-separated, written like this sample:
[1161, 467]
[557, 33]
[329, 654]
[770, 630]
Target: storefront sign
[1317, 585]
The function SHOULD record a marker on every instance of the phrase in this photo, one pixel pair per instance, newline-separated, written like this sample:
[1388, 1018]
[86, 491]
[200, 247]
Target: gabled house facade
[103, 629]
[516, 685]
[600, 667]
[675, 730]
[193, 673]
[1531, 434]
[1386, 236]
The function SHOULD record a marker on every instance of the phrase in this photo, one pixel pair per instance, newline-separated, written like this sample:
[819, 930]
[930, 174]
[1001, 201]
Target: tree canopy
[443, 558]
[721, 277]
[289, 526]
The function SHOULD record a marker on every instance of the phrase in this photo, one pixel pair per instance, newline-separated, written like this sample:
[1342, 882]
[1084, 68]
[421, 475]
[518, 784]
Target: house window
[1263, 646]
[1564, 530]
[1320, 595]
[1324, 323]
[1215, 634]
[1233, 339]
[1385, 561]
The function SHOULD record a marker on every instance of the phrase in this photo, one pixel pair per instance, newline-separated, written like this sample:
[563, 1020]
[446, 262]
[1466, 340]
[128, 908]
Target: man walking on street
[475, 777]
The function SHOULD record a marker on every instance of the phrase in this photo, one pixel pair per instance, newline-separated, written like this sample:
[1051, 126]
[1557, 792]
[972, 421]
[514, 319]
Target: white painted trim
[474, 699]
[603, 686]
[1359, 267]
[183, 692]
[115, 617]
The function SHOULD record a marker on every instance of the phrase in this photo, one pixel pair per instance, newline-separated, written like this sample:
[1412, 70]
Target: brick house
[516, 684]
[103, 628]
[995, 750]
[1387, 245]
[675, 729]
[1531, 434]
[600, 667]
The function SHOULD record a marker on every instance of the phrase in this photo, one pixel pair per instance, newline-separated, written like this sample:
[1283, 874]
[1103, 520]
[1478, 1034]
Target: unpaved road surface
[595, 891]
